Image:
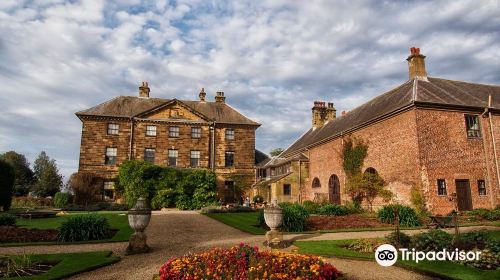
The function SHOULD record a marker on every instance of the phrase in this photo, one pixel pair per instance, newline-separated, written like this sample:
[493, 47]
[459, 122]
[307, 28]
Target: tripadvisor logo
[387, 255]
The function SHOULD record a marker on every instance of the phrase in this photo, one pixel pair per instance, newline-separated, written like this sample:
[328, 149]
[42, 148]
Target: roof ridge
[465, 82]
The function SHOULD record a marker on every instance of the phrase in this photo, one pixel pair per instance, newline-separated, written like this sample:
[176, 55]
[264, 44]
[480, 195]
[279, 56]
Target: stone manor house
[169, 132]
[439, 134]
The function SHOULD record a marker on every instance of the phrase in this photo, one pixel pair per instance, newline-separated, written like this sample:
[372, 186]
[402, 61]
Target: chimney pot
[202, 94]
[416, 65]
[219, 97]
[144, 90]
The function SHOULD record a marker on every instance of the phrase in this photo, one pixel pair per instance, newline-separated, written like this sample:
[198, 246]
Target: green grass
[71, 264]
[245, 221]
[446, 270]
[116, 221]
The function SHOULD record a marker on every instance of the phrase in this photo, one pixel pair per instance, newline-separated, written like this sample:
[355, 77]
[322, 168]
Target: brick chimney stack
[144, 90]
[202, 94]
[318, 114]
[416, 65]
[220, 98]
[331, 113]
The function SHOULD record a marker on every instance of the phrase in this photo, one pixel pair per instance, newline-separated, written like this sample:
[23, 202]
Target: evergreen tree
[7, 178]
[49, 181]
[24, 175]
[276, 152]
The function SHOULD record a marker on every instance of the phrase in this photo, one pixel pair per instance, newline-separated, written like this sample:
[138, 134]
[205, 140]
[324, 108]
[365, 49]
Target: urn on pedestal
[138, 219]
[273, 215]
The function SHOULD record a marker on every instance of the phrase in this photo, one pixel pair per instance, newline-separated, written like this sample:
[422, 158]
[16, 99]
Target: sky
[272, 59]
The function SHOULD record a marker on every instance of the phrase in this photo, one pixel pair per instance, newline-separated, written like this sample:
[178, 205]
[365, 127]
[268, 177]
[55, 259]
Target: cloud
[272, 58]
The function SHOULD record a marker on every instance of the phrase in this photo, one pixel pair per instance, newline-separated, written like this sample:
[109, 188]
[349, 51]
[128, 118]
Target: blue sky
[271, 58]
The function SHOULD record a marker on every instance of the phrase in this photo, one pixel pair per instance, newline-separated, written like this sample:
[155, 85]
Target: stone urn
[138, 219]
[273, 215]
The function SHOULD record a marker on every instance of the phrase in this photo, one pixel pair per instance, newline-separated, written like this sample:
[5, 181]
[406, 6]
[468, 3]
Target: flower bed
[245, 262]
[342, 222]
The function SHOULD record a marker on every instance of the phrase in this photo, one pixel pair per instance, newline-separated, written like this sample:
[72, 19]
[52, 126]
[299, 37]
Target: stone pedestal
[274, 238]
[137, 244]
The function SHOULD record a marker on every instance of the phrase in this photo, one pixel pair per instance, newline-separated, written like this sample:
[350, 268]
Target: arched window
[371, 170]
[316, 183]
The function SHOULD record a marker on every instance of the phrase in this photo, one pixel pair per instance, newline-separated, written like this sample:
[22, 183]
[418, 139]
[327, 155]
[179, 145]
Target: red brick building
[169, 132]
[439, 134]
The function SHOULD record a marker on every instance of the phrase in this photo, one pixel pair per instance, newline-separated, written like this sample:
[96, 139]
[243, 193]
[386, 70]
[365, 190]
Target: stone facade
[212, 142]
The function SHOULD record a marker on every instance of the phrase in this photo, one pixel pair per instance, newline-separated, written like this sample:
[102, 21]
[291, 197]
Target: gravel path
[174, 233]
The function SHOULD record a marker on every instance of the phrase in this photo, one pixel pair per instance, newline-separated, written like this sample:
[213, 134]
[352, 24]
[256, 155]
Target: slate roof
[434, 92]
[131, 106]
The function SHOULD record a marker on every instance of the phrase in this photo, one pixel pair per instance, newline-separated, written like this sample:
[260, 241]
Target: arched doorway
[334, 189]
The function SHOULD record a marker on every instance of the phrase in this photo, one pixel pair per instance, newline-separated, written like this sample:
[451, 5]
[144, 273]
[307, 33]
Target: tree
[276, 152]
[7, 179]
[24, 175]
[367, 186]
[49, 181]
[86, 187]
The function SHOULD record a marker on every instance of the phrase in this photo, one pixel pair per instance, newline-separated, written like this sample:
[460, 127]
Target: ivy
[353, 154]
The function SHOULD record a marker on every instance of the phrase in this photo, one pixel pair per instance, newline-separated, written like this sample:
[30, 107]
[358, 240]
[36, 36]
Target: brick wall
[392, 151]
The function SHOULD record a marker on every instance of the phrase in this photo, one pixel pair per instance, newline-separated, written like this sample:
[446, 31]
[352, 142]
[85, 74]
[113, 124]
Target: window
[316, 183]
[371, 170]
[287, 189]
[113, 128]
[149, 155]
[229, 159]
[472, 124]
[172, 157]
[195, 158]
[110, 158]
[196, 132]
[109, 190]
[229, 134]
[150, 130]
[173, 131]
[481, 187]
[441, 187]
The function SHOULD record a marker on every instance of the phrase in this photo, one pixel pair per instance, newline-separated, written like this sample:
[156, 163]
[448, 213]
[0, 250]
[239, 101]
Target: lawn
[244, 221]
[117, 220]
[71, 264]
[447, 270]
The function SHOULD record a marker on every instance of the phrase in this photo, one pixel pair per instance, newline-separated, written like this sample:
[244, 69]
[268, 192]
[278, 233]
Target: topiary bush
[7, 219]
[294, 217]
[258, 199]
[311, 206]
[7, 178]
[62, 199]
[260, 218]
[434, 240]
[407, 216]
[333, 210]
[84, 228]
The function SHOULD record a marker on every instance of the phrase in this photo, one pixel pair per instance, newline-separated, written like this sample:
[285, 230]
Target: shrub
[7, 219]
[471, 240]
[417, 199]
[434, 240]
[163, 198]
[62, 199]
[333, 210]
[7, 178]
[404, 239]
[83, 228]
[294, 217]
[353, 208]
[311, 206]
[493, 245]
[108, 206]
[260, 218]
[86, 186]
[31, 202]
[258, 199]
[488, 260]
[407, 216]
[364, 245]
[245, 262]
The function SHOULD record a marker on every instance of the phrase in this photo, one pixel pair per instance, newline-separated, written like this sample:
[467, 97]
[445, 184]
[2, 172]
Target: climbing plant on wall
[353, 154]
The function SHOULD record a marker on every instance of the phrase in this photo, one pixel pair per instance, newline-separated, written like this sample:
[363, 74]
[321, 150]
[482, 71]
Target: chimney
[219, 97]
[318, 114]
[144, 90]
[416, 65]
[202, 95]
[331, 112]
